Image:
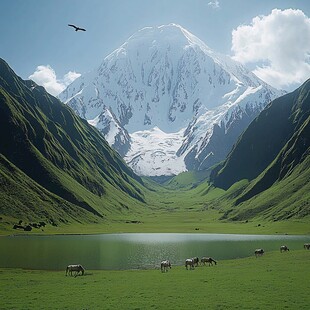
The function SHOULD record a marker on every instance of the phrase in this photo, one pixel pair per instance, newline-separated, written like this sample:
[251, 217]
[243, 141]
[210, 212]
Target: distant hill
[54, 166]
[273, 154]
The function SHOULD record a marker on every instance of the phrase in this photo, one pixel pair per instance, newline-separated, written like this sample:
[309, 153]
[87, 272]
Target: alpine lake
[133, 250]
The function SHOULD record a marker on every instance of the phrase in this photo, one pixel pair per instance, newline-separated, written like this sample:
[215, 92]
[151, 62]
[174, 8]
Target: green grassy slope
[276, 177]
[51, 148]
[187, 179]
[288, 198]
[261, 143]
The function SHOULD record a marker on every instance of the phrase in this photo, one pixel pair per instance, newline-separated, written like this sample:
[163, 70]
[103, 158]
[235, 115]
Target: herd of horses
[283, 248]
[194, 262]
[191, 263]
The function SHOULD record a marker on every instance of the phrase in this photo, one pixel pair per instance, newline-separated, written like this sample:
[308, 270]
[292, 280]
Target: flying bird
[76, 28]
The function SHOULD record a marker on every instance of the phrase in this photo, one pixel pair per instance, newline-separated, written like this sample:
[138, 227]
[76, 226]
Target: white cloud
[214, 4]
[46, 77]
[280, 43]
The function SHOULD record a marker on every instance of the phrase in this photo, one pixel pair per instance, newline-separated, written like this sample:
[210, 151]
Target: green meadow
[273, 281]
[183, 205]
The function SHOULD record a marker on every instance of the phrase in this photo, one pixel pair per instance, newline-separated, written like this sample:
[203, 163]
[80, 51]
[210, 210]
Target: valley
[191, 208]
[69, 178]
[154, 155]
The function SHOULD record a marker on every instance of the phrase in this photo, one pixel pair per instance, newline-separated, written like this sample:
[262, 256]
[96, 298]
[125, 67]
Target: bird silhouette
[76, 28]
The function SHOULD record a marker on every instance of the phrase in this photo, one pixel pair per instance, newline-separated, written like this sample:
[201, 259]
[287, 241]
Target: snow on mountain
[159, 157]
[167, 102]
[117, 136]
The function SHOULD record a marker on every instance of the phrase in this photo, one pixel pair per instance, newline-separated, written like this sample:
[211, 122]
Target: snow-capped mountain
[167, 102]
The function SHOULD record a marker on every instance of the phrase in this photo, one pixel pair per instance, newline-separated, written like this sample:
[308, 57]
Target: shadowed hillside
[273, 154]
[53, 163]
[259, 145]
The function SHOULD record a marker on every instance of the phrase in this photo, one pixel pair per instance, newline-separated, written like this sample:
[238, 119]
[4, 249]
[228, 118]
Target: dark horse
[209, 260]
[284, 248]
[259, 252]
[76, 268]
[164, 265]
[307, 246]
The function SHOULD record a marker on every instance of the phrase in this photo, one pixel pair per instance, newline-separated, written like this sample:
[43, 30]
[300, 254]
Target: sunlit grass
[189, 210]
[273, 281]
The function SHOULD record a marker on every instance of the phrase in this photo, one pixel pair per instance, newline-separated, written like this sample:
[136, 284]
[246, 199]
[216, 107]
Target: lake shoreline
[134, 250]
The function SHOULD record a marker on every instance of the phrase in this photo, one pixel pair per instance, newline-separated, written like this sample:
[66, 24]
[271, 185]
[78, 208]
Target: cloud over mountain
[46, 77]
[280, 42]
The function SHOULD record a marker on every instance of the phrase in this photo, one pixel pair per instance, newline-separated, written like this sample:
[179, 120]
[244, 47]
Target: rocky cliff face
[167, 102]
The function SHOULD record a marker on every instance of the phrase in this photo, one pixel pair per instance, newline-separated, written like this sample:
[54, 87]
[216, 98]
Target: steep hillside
[265, 137]
[56, 162]
[274, 154]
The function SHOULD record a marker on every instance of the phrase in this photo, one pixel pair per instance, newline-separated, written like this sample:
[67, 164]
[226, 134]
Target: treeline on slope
[44, 140]
[270, 151]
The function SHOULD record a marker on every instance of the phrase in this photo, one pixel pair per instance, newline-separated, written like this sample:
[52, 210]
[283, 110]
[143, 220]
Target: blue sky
[35, 33]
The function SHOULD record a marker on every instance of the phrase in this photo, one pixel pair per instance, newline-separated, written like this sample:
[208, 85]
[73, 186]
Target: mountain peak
[162, 32]
[168, 78]
[172, 36]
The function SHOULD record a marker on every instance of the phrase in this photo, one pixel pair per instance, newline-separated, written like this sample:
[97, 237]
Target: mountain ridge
[281, 119]
[166, 77]
[273, 156]
[61, 156]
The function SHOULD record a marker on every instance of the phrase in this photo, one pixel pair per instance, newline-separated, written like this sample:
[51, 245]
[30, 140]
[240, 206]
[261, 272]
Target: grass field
[195, 210]
[274, 281]
[173, 222]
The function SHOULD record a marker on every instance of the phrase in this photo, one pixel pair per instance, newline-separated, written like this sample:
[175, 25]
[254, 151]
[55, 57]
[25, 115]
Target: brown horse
[259, 252]
[209, 260]
[190, 262]
[164, 265]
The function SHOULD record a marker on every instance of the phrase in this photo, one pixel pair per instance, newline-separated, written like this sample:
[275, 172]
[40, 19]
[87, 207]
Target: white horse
[164, 265]
[196, 261]
[284, 248]
[191, 263]
[76, 268]
[259, 252]
[209, 260]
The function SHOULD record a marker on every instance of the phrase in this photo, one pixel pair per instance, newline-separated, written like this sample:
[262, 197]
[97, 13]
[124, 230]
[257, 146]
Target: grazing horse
[76, 268]
[164, 265]
[259, 252]
[307, 246]
[284, 248]
[190, 262]
[209, 260]
[196, 261]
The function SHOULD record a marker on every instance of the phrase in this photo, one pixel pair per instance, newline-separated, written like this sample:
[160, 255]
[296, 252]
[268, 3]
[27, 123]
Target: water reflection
[132, 251]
